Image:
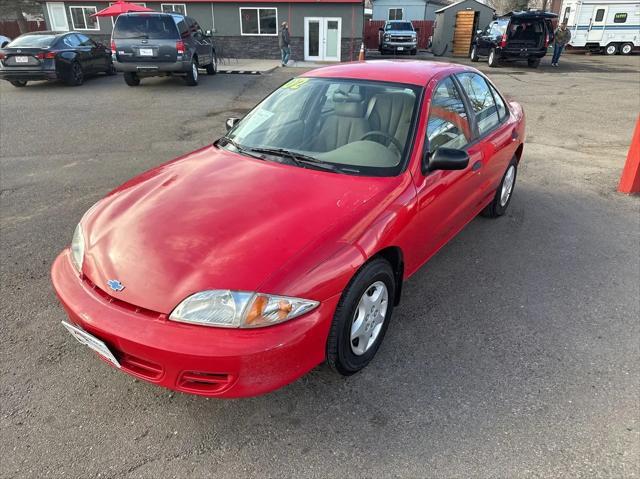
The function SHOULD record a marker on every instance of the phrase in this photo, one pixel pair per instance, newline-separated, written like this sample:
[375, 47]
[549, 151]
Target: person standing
[283, 42]
[561, 37]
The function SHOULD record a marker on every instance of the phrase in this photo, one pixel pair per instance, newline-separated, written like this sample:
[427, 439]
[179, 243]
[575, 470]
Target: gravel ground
[515, 351]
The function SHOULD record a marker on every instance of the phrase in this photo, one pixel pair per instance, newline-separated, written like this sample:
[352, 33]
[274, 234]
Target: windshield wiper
[299, 159]
[241, 149]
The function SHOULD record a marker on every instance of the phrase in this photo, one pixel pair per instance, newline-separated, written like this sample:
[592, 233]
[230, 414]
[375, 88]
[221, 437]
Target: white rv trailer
[609, 25]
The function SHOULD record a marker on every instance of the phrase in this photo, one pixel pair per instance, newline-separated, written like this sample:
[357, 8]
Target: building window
[599, 15]
[395, 14]
[620, 18]
[81, 18]
[180, 8]
[259, 21]
[113, 19]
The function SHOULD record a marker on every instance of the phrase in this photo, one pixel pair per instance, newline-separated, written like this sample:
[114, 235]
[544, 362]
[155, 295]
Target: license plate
[21, 59]
[146, 52]
[400, 48]
[91, 342]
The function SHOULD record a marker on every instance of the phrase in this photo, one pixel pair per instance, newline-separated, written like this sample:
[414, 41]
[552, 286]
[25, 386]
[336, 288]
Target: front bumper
[404, 45]
[194, 359]
[152, 68]
[27, 75]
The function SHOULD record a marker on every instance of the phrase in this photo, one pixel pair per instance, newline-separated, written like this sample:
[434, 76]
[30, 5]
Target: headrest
[340, 96]
[348, 104]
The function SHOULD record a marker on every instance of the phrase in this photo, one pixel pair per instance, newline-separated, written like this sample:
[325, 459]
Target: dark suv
[155, 44]
[515, 36]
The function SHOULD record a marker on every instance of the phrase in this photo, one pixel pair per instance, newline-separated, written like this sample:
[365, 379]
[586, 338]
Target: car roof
[412, 72]
[45, 32]
[530, 14]
[164, 14]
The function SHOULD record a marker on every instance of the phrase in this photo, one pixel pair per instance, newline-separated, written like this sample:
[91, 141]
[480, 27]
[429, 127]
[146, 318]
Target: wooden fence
[424, 28]
[11, 29]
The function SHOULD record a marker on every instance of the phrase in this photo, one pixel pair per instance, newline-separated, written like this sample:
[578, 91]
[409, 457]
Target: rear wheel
[192, 75]
[474, 54]
[611, 49]
[212, 68]
[361, 318]
[75, 76]
[18, 83]
[626, 48]
[131, 79]
[533, 62]
[502, 198]
[493, 58]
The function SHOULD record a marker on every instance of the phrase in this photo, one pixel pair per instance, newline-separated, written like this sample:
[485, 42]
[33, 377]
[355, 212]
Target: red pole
[630, 178]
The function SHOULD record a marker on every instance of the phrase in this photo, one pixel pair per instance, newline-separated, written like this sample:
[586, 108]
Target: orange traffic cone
[362, 52]
[630, 178]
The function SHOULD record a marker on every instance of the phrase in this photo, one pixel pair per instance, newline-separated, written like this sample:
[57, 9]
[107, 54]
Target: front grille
[139, 367]
[401, 39]
[122, 304]
[204, 383]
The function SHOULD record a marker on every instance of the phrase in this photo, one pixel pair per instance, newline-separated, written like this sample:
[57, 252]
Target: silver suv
[398, 36]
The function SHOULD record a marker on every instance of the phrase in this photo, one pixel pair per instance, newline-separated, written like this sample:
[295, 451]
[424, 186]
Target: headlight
[387, 37]
[236, 309]
[77, 248]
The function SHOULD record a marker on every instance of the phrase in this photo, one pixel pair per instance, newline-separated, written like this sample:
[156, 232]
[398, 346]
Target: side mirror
[444, 159]
[231, 122]
[381, 29]
[208, 33]
[478, 32]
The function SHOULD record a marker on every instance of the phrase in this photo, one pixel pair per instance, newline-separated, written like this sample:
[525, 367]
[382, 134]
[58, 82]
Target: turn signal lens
[77, 248]
[503, 42]
[180, 47]
[113, 46]
[46, 55]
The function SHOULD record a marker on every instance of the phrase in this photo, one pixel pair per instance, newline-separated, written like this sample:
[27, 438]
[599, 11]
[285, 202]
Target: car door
[96, 60]
[444, 198]
[495, 135]
[83, 52]
[483, 40]
[203, 44]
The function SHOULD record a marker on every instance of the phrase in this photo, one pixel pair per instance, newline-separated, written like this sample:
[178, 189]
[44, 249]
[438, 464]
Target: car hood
[213, 220]
[400, 32]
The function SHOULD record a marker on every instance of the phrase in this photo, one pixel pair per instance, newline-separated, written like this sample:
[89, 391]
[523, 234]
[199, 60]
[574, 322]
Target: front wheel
[192, 75]
[75, 76]
[212, 68]
[131, 79]
[111, 70]
[18, 83]
[626, 48]
[502, 198]
[361, 318]
[493, 58]
[611, 49]
[474, 54]
[533, 62]
[414, 51]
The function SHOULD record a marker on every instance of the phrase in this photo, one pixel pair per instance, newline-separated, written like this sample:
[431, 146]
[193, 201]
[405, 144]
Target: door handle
[514, 135]
[476, 166]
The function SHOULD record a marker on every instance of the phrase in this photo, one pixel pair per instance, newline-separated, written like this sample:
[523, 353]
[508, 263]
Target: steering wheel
[390, 138]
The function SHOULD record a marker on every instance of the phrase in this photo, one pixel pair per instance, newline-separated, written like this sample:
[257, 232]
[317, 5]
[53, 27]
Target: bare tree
[16, 10]
[504, 6]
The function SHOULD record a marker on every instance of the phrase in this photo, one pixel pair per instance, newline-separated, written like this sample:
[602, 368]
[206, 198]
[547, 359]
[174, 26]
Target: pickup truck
[398, 36]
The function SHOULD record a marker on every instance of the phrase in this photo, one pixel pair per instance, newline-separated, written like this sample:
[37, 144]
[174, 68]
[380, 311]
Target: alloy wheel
[369, 318]
[195, 71]
[507, 185]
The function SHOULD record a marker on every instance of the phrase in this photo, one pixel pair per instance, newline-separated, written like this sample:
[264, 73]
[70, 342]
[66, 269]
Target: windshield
[32, 41]
[359, 127]
[399, 26]
[145, 26]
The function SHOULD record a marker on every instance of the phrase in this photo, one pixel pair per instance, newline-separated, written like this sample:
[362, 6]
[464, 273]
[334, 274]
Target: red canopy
[120, 7]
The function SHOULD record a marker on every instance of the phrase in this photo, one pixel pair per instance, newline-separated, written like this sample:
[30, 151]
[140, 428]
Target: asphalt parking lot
[515, 351]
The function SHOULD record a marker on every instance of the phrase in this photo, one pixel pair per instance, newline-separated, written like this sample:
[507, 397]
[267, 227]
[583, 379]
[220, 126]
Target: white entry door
[58, 16]
[322, 38]
[596, 27]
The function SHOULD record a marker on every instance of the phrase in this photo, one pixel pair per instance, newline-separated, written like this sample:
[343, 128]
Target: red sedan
[237, 268]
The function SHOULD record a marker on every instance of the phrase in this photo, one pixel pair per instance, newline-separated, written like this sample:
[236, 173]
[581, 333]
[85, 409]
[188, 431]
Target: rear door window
[481, 99]
[145, 26]
[71, 41]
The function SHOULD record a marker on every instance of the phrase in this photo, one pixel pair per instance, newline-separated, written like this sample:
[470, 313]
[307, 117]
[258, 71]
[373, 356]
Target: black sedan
[66, 56]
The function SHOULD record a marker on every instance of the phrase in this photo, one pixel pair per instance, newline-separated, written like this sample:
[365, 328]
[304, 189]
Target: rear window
[399, 26]
[145, 26]
[33, 41]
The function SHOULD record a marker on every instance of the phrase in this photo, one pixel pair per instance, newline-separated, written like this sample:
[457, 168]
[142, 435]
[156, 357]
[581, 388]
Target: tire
[611, 49]
[75, 77]
[357, 314]
[111, 70]
[626, 48]
[18, 83]
[493, 58]
[533, 62]
[502, 198]
[192, 75]
[414, 51]
[131, 79]
[474, 54]
[212, 68]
